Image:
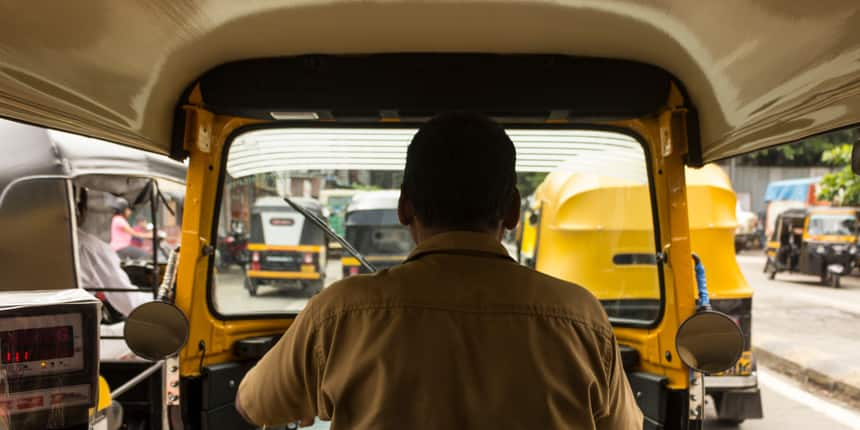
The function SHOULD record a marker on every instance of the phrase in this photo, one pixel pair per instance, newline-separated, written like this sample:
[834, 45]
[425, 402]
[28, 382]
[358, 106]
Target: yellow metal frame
[297, 248]
[205, 137]
[269, 274]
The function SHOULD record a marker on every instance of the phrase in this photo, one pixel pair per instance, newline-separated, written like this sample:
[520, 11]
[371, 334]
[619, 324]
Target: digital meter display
[36, 344]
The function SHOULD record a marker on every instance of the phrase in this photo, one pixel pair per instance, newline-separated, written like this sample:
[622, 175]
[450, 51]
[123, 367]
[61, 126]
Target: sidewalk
[807, 331]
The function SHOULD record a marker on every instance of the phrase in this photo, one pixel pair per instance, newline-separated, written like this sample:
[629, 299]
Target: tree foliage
[528, 182]
[842, 188]
[807, 152]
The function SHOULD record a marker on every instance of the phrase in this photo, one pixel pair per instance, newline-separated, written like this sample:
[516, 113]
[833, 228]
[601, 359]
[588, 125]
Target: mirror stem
[701, 284]
[165, 291]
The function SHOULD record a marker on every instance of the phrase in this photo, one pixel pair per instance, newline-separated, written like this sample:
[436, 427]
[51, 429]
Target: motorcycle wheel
[835, 281]
[251, 285]
[770, 269]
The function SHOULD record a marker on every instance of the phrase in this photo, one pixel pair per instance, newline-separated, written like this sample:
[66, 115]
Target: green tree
[842, 188]
[528, 182]
[807, 152]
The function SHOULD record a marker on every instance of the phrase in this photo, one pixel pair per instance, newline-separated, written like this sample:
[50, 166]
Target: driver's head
[460, 176]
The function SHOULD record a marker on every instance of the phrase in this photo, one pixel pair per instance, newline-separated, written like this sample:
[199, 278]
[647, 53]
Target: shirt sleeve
[622, 412]
[283, 386]
[100, 268]
[120, 222]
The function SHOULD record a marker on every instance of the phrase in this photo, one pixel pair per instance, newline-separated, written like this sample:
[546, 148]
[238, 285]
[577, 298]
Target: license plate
[279, 259]
[308, 268]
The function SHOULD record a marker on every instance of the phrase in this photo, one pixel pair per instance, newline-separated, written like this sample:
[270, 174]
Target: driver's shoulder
[353, 292]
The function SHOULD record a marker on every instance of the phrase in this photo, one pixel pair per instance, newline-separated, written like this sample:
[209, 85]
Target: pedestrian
[121, 233]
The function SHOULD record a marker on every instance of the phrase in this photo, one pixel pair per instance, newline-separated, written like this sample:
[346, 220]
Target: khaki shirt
[459, 336]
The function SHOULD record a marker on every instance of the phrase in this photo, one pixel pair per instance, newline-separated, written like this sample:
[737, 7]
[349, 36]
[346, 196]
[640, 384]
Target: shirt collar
[460, 242]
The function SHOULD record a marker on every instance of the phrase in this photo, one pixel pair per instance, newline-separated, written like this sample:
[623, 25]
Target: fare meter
[48, 358]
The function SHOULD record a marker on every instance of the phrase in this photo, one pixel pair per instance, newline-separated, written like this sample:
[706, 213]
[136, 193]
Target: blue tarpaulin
[790, 189]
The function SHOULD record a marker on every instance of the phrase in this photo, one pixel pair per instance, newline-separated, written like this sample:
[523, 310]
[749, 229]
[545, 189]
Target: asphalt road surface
[814, 325]
[788, 406]
[789, 304]
[231, 297]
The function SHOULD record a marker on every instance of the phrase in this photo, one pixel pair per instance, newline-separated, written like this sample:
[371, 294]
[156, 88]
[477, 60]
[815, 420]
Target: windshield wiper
[331, 233]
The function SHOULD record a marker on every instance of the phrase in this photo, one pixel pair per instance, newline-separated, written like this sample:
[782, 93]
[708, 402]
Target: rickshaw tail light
[309, 258]
[255, 261]
[353, 270]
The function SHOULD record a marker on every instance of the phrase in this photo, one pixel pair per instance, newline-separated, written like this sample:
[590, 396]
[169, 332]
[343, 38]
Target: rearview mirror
[709, 342]
[855, 157]
[156, 330]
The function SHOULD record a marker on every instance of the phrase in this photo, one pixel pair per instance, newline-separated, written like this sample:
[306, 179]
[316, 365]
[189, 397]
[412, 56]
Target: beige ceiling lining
[747, 65]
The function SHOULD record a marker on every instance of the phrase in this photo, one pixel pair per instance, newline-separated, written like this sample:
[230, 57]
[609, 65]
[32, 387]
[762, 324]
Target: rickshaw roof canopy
[32, 152]
[709, 175]
[263, 204]
[374, 200]
[758, 72]
[790, 189]
[348, 148]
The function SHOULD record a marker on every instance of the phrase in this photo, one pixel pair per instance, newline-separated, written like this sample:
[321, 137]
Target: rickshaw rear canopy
[758, 73]
[33, 152]
[791, 189]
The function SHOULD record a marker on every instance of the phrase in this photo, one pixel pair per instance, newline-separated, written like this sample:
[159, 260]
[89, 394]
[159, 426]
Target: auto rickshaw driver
[789, 250]
[459, 309]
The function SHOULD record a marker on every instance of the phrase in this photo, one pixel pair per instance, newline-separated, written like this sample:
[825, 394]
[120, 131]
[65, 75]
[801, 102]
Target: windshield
[587, 215]
[832, 225]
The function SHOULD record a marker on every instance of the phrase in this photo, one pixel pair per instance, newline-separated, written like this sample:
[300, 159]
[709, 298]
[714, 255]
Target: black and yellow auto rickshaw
[819, 241]
[373, 228]
[668, 75]
[285, 250]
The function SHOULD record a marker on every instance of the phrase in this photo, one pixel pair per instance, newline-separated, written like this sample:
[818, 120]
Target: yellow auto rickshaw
[372, 227]
[286, 251]
[569, 216]
[818, 241]
[190, 81]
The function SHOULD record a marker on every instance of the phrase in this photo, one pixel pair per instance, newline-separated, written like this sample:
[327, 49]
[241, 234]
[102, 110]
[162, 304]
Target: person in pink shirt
[121, 232]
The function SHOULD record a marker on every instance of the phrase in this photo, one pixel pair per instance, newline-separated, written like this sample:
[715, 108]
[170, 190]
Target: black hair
[460, 172]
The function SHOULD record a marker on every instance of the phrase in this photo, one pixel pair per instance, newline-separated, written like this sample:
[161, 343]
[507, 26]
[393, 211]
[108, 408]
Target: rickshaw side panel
[36, 223]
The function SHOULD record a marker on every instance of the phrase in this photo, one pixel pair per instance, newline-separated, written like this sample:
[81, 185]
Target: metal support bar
[136, 380]
[122, 290]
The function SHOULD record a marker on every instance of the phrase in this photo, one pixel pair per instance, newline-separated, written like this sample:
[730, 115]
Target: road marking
[835, 412]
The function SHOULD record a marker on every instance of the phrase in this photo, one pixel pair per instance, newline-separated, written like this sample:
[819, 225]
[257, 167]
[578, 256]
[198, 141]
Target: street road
[791, 314]
[796, 318]
[231, 297]
[788, 406]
